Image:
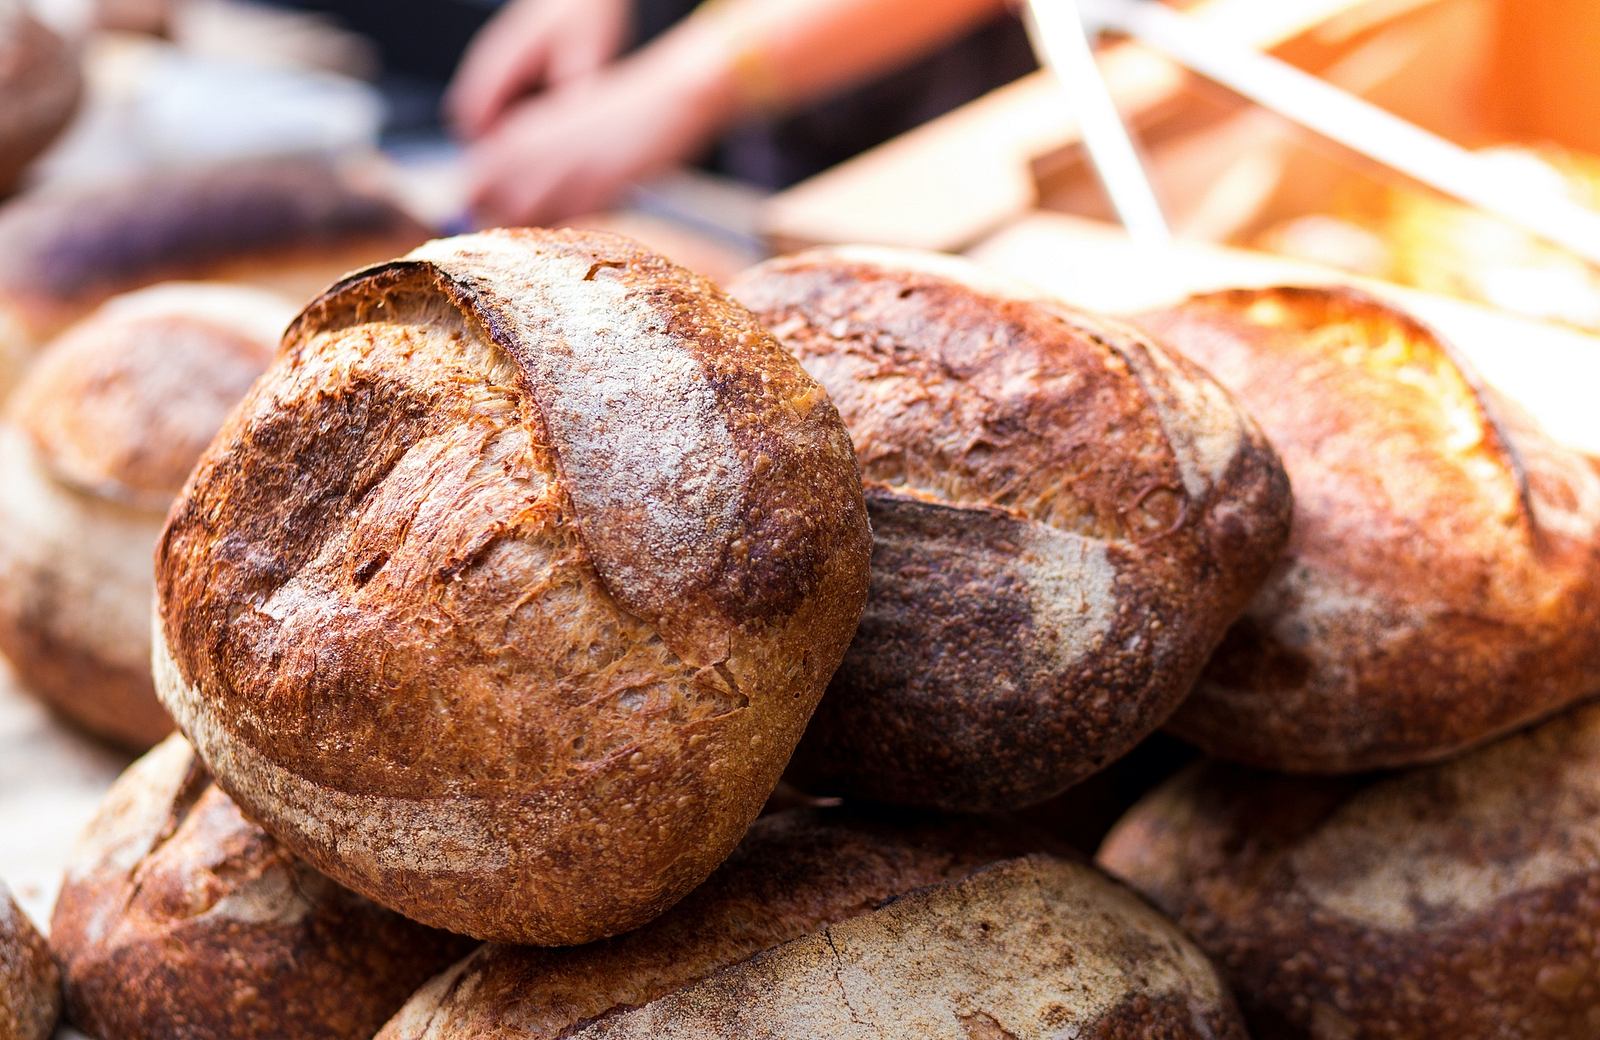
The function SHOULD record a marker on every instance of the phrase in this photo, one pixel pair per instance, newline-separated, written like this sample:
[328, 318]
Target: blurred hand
[530, 45]
[577, 148]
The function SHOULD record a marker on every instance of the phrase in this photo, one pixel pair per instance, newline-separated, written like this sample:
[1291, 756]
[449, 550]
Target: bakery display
[1066, 518]
[833, 923]
[287, 225]
[30, 986]
[506, 594]
[180, 918]
[1439, 586]
[1452, 900]
[41, 84]
[94, 445]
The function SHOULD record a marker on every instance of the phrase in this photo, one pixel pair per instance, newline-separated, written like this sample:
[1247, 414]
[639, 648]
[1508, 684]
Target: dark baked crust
[285, 224]
[1454, 900]
[97, 441]
[1065, 521]
[1438, 589]
[924, 929]
[796, 871]
[181, 919]
[1026, 948]
[506, 594]
[30, 987]
[41, 84]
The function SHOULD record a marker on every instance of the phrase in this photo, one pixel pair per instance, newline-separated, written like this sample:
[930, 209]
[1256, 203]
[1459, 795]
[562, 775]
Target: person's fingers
[509, 56]
[585, 52]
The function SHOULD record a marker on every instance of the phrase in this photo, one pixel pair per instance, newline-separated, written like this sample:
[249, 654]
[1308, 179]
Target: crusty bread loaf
[507, 593]
[40, 84]
[1439, 587]
[826, 923]
[95, 444]
[30, 986]
[180, 919]
[1065, 521]
[287, 225]
[1456, 900]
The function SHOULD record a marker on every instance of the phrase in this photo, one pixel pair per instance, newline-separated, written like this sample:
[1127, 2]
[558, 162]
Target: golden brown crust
[1438, 588]
[289, 225]
[1065, 521]
[795, 872]
[1453, 900]
[30, 986]
[40, 80]
[1026, 948]
[506, 595]
[96, 443]
[180, 918]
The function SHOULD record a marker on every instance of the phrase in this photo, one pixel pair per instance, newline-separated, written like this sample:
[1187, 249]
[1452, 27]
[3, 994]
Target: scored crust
[1029, 948]
[1032, 945]
[30, 986]
[180, 918]
[795, 871]
[1438, 589]
[1453, 900]
[506, 595]
[1065, 520]
[96, 442]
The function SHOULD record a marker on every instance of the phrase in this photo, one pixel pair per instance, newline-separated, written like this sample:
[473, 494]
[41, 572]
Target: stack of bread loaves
[501, 601]
[506, 593]
[1439, 591]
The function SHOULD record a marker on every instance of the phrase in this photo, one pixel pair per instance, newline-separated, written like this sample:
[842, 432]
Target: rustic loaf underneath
[181, 919]
[838, 924]
[1453, 900]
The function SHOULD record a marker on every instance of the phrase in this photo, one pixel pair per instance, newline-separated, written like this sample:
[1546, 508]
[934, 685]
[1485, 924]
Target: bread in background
[1439, 585]
[1065, 521]
[94, 446]
[288, 225]
[41, 85]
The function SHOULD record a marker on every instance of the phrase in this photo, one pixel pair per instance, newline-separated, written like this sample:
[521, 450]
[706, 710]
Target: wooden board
[952, 181]
[1550, 370]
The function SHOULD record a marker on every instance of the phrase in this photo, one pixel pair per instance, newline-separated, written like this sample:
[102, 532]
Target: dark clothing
[421, 41]
[778, 152]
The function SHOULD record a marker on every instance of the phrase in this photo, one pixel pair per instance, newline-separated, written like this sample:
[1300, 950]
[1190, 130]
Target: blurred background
[753, 124]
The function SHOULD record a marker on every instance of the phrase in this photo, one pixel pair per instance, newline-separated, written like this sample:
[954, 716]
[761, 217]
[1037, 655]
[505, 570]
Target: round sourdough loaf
[828, 923]
[1440, 585]
[41, 85]
[95, 444]
[286, 225]
[507, 593]
[179, 918]
[30, 986]
[1456, 900]
[1065, 521]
